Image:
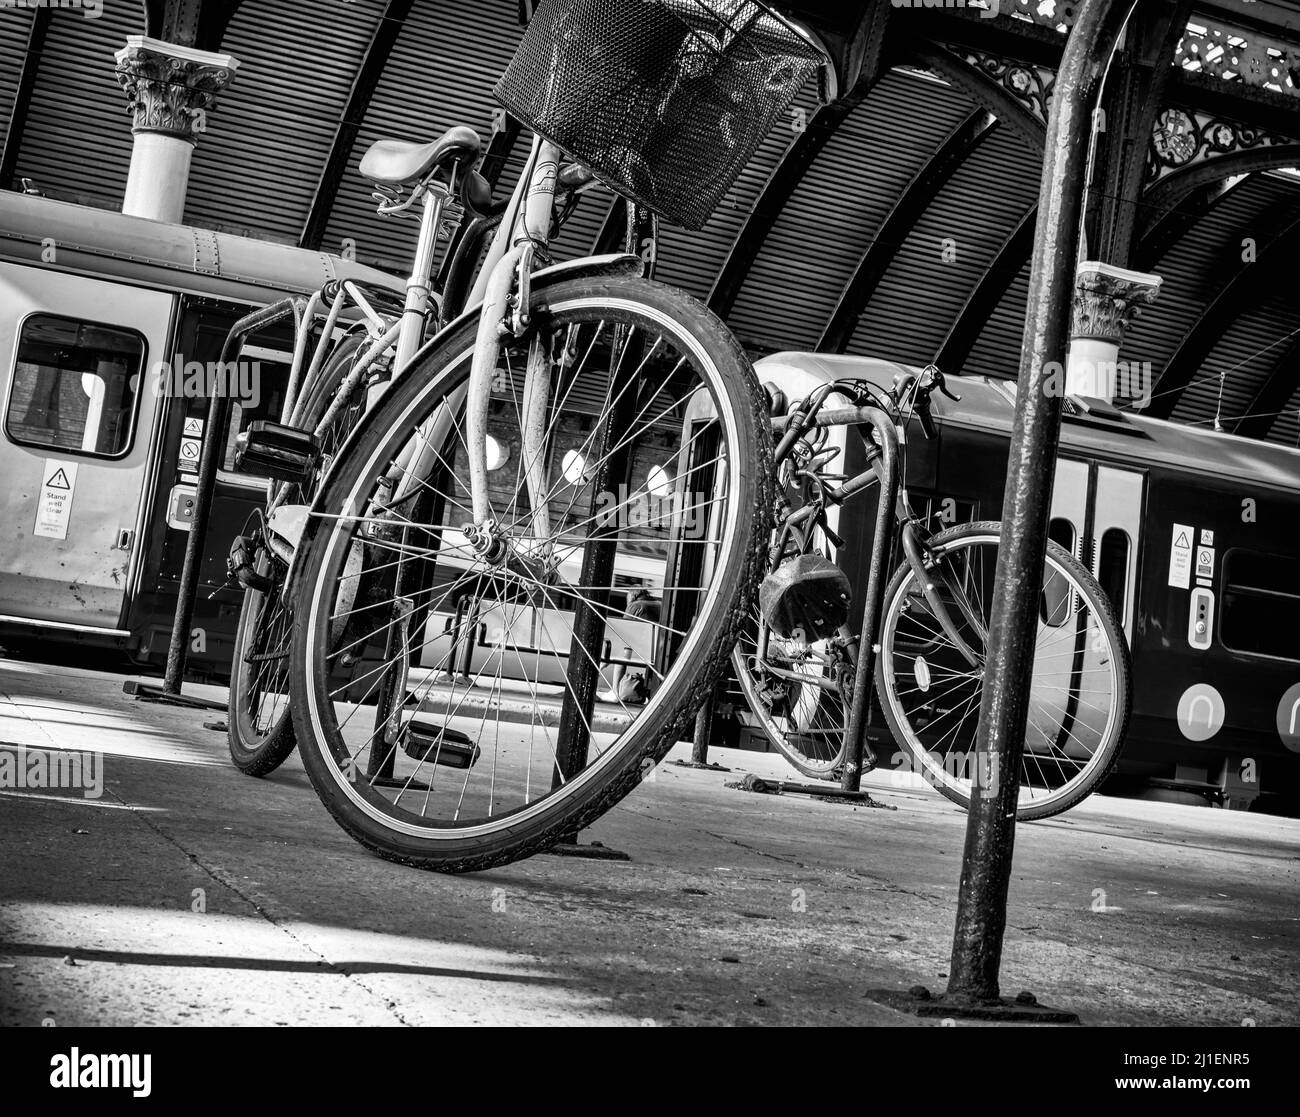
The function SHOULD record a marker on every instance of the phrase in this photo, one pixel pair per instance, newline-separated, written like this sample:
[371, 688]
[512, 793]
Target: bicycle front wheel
[930, 692]
[458, 709]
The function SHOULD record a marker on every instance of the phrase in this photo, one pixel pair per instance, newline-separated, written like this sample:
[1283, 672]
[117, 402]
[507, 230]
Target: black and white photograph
[651, 513]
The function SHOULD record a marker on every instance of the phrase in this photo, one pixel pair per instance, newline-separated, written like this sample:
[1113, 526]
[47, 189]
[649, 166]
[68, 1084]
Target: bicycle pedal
[277, 451]
[241, 565]
[427, 740]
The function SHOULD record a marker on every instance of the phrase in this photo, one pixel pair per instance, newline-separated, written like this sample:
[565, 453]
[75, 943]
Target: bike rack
[205, 485]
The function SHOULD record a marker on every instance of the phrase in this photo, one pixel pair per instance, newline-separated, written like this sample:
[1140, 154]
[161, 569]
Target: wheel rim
[934, 693]
[264, 672]
[796, 693]
[459, 694]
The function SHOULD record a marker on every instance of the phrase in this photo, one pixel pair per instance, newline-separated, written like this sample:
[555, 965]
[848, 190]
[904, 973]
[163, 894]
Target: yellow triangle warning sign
[58, 481]
[1182, 542]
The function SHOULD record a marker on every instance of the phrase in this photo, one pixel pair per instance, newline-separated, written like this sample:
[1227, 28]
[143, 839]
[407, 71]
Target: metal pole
[990, 830]
[205, 485]
[703, 730]
[886, 467]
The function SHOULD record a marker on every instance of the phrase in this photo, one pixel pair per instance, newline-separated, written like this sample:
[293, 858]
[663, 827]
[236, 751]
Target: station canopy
[897, 225]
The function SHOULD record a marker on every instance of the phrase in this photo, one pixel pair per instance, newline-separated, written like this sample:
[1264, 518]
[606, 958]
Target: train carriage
[1191, 532]
[1193, 535]
[111, 330]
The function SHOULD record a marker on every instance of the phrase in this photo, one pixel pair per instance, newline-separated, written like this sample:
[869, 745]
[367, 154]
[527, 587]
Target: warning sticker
[1207, 537]
[189, 455]
[1180, 556]
[193, 427]
[1205, 562]
[54, 508]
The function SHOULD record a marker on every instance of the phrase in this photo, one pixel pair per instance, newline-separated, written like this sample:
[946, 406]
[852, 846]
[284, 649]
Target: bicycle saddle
[398, 163]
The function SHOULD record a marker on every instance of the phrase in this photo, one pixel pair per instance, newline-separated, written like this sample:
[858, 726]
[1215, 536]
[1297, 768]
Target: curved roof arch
[279, 162]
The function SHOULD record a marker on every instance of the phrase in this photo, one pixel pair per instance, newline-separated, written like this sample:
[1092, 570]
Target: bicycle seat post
[417, 285]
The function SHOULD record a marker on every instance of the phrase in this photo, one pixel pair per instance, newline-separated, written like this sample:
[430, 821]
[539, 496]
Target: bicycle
[456, 613]
[800, 662]
[323, 401]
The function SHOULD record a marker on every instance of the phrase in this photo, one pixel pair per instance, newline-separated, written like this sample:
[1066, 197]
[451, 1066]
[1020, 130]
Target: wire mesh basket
[666, 100]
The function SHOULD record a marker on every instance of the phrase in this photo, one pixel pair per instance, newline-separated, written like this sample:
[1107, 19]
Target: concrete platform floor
[189, 894]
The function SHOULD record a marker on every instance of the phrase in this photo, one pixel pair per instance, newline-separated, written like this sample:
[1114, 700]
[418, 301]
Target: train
[1192, 532]
[111, 329]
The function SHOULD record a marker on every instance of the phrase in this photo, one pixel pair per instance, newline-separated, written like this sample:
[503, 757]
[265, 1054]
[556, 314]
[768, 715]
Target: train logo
[1200, 712]
[1288, 718]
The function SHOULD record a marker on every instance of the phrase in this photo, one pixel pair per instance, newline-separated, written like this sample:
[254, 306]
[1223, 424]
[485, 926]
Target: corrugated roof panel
[257, 167]
[1239, 362]
[15, 28]
[692, 259]
[440, 74]
[819, 238]
[77, 143]
[1197, 268]
[927, 283]
[997, 352]
[1286, 428]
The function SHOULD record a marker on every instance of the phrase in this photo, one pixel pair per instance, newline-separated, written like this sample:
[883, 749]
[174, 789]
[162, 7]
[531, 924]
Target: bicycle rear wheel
[260, 734]
[798, 691]
[930, 693]
[456, 712]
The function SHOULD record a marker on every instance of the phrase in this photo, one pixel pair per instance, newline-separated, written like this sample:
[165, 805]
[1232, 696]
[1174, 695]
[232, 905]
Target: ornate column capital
[169, 88]
[1106, 298]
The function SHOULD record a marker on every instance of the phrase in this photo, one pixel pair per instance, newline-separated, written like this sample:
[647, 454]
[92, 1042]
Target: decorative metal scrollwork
[1030, 85]
[1211, 46]
[1181, 137]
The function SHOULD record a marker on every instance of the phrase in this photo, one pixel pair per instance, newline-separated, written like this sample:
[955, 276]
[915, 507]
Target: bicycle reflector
[806, 598]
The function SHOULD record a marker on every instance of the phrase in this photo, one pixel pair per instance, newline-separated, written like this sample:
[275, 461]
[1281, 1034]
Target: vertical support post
[614, 451]
[990, 831]
[886, 466]
[170, 90]
[703, 731]
[205, 485]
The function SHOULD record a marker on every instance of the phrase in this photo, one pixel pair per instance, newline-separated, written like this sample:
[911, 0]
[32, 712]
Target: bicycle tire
[1108, 649]
[454, 845]
[258, 751]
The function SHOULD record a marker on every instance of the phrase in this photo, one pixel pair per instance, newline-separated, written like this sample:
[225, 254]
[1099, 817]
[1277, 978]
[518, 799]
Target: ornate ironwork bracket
[1183, 137]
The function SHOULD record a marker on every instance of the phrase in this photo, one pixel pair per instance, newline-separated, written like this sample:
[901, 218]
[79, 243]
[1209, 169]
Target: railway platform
[163, 887]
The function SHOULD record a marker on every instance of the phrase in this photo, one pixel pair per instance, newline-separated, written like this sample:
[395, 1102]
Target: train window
[1112, 566]
[75, 386]
[1061, 531]
[1054, 605]
[1260, 611]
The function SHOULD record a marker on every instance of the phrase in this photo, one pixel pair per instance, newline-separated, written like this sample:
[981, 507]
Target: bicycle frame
[502, 288]
[885, 439]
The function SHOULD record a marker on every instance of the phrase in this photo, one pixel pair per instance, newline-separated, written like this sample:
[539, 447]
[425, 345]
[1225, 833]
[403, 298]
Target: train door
[79, 416]
[255, 383]
[1096, 514]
